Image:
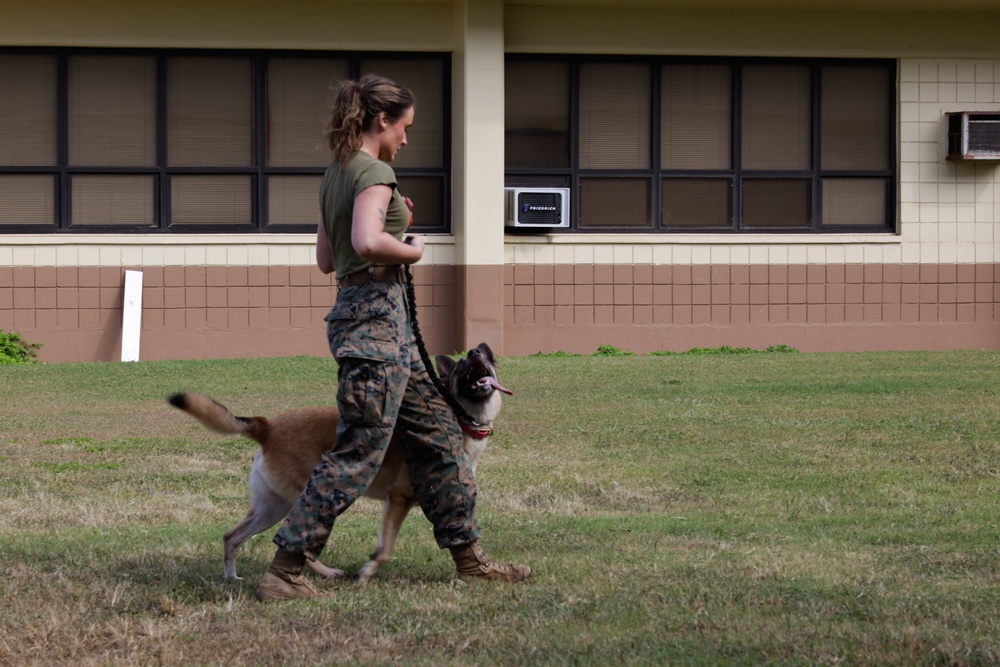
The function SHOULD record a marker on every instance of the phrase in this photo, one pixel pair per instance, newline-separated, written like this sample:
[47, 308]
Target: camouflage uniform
[383, 387]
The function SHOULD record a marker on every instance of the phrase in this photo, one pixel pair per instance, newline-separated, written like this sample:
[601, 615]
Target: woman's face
[394, 135]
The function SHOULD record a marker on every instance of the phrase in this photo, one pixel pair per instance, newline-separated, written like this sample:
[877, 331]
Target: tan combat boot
[474, 565]
[283, 579]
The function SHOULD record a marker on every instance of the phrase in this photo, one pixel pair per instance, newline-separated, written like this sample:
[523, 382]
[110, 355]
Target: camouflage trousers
[383, 387]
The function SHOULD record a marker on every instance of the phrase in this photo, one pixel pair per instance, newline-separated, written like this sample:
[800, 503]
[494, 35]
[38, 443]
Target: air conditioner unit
[973, 135]
[537, 207]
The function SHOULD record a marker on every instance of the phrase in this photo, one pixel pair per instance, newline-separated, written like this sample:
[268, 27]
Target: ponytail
[355, 108]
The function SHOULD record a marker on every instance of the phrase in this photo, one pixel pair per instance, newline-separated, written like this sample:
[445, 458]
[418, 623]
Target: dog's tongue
[499, 387]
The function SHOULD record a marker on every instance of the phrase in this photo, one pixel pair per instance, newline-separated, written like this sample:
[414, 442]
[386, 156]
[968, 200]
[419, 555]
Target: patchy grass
[702, 509]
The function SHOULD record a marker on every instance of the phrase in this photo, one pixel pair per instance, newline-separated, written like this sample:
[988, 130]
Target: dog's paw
[323, 570]
[366, 572]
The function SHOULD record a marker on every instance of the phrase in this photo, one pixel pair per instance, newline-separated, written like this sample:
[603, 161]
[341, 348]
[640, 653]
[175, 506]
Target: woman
[383, 385]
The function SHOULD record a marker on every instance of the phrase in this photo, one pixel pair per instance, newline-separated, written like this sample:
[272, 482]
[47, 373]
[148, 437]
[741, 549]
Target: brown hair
[355, 108]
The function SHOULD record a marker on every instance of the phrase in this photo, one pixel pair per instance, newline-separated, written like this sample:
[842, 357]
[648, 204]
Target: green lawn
[746, 509]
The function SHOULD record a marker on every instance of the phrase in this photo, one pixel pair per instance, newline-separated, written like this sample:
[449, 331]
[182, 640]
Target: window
[110, 141]
[714, 145]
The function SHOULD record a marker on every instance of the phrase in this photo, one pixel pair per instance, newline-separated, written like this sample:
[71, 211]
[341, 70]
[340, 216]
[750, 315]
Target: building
[739, 172]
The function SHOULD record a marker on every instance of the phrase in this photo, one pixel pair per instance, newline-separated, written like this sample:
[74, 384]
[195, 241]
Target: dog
[292, 444]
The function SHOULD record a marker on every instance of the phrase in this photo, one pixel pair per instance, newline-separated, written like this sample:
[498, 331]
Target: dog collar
[477, 433]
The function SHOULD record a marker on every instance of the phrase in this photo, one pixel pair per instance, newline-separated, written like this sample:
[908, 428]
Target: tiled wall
[777, 294]
[848, 307]
[948, 210]
[194, 311]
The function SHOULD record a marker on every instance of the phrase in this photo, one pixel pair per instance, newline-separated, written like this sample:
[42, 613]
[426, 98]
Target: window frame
[259, 171]
[572, 175]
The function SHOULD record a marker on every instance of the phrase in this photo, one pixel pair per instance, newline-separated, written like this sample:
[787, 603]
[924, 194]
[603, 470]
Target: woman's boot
[474, 565]
[283, 578]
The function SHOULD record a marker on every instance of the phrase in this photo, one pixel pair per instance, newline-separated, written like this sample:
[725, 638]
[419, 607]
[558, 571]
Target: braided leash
[460, 412]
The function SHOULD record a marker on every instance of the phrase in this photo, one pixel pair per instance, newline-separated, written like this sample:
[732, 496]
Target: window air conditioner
[537, 207]
[973, 135]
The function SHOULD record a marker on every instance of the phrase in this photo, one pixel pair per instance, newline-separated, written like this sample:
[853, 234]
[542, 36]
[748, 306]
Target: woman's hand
[417, 242]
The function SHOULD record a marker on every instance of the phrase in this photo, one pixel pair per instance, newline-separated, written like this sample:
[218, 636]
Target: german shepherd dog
[292, 444]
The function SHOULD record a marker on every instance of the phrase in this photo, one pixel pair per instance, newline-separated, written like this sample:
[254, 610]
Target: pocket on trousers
[365, 329]
[363, 390]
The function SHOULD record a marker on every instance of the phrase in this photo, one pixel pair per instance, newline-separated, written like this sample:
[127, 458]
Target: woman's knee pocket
[370, 391]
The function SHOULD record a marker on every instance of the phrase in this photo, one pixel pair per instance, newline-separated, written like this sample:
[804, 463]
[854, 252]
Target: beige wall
[231, 24]
[751, 29]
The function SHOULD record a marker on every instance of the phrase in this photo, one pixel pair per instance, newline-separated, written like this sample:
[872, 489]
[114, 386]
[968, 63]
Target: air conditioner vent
[973, 135]
[537, 207]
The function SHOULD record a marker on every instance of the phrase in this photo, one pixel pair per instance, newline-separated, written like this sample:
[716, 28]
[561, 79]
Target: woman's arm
[368, 235]
[324, 253]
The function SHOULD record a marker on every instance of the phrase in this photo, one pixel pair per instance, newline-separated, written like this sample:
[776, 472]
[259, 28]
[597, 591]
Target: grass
[791, 509]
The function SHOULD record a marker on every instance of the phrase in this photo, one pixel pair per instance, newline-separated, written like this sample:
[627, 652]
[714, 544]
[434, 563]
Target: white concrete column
[478, 171]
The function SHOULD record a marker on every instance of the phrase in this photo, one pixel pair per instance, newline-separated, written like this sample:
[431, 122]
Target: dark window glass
[211, 199]
[855, 128]
[698, 202]
[293, 200]
[28, 138]
[614, 116]
[28, 92]
[119, 200]
[536, 103]
[27, 199]
[777, 203]
[174, 141]
[427, 194]
[696, 117]
[776, 117]
[854, 202]
[615, 202]
[299, 96]
[711, 144]
[112, 111]
[209, 112]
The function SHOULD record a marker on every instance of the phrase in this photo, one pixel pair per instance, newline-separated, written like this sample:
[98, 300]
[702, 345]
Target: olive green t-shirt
[337, 194]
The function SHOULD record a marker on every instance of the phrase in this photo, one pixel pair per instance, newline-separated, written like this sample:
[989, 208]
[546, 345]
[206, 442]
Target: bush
[16, 350]
[612, 351]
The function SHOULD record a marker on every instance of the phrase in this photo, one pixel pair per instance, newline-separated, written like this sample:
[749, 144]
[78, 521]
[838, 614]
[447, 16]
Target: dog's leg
[324, 570]
[393, 513]
[266, 510]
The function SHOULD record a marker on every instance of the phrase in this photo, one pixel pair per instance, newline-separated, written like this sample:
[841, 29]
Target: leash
[463, 416]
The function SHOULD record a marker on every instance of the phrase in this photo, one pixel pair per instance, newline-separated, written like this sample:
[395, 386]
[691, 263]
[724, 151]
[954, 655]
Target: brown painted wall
[217, 312]
[195, 312]
[576, 308]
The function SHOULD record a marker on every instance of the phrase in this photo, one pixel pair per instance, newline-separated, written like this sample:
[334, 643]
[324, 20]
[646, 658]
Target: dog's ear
[487, 352]
[445, 365]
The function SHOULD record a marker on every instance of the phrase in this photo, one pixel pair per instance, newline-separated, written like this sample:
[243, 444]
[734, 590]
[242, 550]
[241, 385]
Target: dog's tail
[217, 417]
